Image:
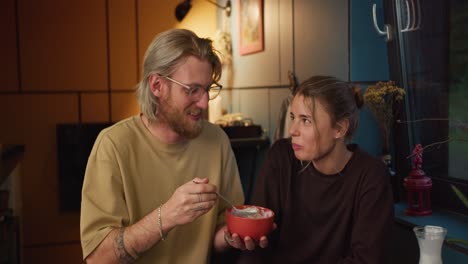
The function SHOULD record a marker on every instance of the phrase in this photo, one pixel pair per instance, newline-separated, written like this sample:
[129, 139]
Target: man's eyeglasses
[196, 93]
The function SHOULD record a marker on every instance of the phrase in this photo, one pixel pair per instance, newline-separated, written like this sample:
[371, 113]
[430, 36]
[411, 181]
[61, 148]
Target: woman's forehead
[308, 103]
[299, 103]
[308, 106]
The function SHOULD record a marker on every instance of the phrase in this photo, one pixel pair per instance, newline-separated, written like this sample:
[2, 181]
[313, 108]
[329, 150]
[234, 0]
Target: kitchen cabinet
[338, 38]
[368, 50]
[321, 38]
[8, 49]
[62, 45]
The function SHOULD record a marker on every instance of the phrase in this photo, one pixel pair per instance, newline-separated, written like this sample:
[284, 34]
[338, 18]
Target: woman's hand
[248, 243]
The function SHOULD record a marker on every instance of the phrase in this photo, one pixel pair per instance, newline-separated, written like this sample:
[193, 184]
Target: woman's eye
[306, 121]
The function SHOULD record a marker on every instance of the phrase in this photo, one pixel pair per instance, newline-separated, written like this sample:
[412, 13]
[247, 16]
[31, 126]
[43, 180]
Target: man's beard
[177, 119]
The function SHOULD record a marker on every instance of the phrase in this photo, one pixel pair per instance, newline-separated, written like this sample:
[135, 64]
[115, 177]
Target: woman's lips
[296, 147]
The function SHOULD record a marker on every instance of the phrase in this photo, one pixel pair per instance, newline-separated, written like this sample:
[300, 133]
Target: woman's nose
[293, 129]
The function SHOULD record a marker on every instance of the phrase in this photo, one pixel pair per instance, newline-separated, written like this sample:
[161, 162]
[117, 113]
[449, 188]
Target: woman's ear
[155, 84]
[341, 128]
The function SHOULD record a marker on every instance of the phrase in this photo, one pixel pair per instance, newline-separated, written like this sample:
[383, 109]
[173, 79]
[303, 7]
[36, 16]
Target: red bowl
[254, 228]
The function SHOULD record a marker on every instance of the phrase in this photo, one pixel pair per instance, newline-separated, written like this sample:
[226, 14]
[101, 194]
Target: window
[430, 61]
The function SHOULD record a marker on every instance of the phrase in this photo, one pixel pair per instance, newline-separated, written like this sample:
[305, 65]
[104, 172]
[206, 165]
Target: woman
[332, 200]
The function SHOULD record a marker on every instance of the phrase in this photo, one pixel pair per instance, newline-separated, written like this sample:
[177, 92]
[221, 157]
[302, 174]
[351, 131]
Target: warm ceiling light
[183, 8]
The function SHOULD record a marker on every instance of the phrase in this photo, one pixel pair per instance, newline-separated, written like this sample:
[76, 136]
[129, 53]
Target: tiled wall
[260, 104]
[68, 62]
[79, 60]
[258, 83]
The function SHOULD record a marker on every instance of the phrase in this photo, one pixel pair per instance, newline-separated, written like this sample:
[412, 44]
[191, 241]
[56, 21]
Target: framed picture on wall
[250, 26]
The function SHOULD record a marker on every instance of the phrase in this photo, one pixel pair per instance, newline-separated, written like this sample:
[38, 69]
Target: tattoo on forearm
[119, 248]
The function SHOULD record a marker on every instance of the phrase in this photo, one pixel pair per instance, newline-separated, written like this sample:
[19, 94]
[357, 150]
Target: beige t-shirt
[130, 173]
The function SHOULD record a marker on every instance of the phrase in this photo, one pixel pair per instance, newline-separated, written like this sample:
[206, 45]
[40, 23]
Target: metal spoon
[225, 199]
[244, 212]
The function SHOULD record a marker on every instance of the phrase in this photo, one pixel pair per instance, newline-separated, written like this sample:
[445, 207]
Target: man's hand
[188, 202]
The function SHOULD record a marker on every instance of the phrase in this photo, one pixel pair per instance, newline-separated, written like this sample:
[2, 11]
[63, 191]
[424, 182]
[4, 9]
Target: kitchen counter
[456, 225]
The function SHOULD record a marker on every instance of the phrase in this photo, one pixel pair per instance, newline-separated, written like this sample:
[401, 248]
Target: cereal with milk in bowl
[249, 220]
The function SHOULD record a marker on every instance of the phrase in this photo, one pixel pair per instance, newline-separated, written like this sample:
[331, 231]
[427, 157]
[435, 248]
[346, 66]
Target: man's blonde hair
[165, 53]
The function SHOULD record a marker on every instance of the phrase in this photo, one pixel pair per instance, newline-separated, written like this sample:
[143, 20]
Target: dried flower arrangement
[382, 99]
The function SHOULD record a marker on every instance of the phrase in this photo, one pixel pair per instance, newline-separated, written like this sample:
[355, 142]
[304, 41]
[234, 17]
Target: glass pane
[423, 28]
[458, 95]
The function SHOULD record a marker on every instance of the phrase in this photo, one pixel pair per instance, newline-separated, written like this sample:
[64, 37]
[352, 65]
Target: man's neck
[162, 131]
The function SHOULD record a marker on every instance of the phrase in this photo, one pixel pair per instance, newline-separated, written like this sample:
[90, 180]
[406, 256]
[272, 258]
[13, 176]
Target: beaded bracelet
[160, 224]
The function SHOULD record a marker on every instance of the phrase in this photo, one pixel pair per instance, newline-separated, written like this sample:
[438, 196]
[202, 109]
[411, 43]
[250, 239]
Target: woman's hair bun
[358, 97]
